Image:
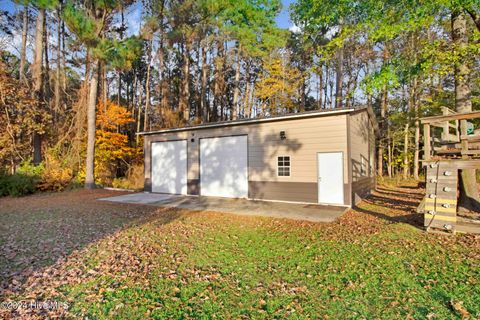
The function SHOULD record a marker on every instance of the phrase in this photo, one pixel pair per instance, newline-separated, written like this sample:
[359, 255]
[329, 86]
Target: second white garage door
[224, 167]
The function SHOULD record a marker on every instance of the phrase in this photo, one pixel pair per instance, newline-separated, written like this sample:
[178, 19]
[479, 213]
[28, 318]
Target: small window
[284, 166]
[363, 166]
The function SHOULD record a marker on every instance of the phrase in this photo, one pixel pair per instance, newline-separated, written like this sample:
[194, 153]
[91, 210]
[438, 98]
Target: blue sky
[283, 20]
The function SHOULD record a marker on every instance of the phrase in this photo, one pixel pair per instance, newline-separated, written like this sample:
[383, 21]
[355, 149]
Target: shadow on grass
[387, 199]
[400, 193]
[400, 206]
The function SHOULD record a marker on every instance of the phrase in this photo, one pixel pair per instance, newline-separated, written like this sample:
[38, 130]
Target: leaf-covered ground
[110, 260]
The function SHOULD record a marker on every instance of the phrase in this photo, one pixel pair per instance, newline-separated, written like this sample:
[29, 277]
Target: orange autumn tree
[112, 150]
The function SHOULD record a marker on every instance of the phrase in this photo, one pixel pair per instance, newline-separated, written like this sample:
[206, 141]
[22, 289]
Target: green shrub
[18, 184]
[29, 169]
[24, 181]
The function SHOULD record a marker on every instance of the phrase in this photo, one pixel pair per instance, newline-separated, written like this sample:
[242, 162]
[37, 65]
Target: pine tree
[90, 21]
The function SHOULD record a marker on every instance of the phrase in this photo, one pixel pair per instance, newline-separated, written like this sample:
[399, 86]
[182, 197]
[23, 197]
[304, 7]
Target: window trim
[289, 166]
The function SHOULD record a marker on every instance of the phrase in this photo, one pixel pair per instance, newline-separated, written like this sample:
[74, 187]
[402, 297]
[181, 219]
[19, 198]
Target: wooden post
[457, 131]
[445, 125]
[426, 142]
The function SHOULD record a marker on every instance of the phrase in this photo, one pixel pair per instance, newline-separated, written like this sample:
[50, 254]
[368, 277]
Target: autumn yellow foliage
[57, 175]
[279, 87]
[112, 150]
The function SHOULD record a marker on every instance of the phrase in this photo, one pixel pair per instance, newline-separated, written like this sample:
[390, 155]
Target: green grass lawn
[372, 263]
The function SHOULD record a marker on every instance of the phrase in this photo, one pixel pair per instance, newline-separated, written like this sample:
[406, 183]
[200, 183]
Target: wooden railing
[461, 141]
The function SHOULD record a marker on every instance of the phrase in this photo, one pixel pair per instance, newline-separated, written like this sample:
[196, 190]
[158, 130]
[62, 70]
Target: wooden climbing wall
[441, 196]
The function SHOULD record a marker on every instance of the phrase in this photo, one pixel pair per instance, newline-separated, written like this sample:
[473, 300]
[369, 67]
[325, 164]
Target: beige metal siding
[304, 138]
[362, 142]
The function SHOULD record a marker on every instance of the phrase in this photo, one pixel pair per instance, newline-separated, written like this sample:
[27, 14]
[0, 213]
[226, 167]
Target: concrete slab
[297, 211]
[142, 198]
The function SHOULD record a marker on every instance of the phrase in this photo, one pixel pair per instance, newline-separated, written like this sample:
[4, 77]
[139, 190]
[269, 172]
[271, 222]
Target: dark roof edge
[292, 116]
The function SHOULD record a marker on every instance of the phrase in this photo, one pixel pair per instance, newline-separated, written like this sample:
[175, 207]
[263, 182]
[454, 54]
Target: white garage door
[223, 167]
[169, 167]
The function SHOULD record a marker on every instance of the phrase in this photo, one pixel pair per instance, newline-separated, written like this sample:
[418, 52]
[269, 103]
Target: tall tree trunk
[303, 94]
[332, 84]
[119, 88]
[58, 67]
[236, 90]
[38, 80]
[161, 66]
[406, 161]
[469, 197]
[383, 123]
[138, 102]
[416, 157]
[185, 90]
[104, 84]
[91, 126]
[390, 156]
[38, 52]
[64, 63]
[146, 124]
[164, 93]
[122, 28]
[339, 79]
[416, 164]
[219, 79]
[81, 115]
[253, 104]
[325, 96]
[47, 90]
[246, 102]
[203, 90]
[23, 50]
[320, 86]
[383, 127]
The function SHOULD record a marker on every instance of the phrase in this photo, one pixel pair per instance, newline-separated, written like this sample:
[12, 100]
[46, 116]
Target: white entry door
[330, 178]
[169, 167]
[224, 167]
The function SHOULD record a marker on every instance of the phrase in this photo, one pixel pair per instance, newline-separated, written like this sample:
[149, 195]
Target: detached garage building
[324, 157]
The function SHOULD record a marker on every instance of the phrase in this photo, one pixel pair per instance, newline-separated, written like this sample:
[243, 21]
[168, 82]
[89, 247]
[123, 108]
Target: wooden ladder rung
[470, 138]
[471, 152]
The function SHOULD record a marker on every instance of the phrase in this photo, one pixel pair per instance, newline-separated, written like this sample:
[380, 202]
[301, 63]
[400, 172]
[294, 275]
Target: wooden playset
[450, 145]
